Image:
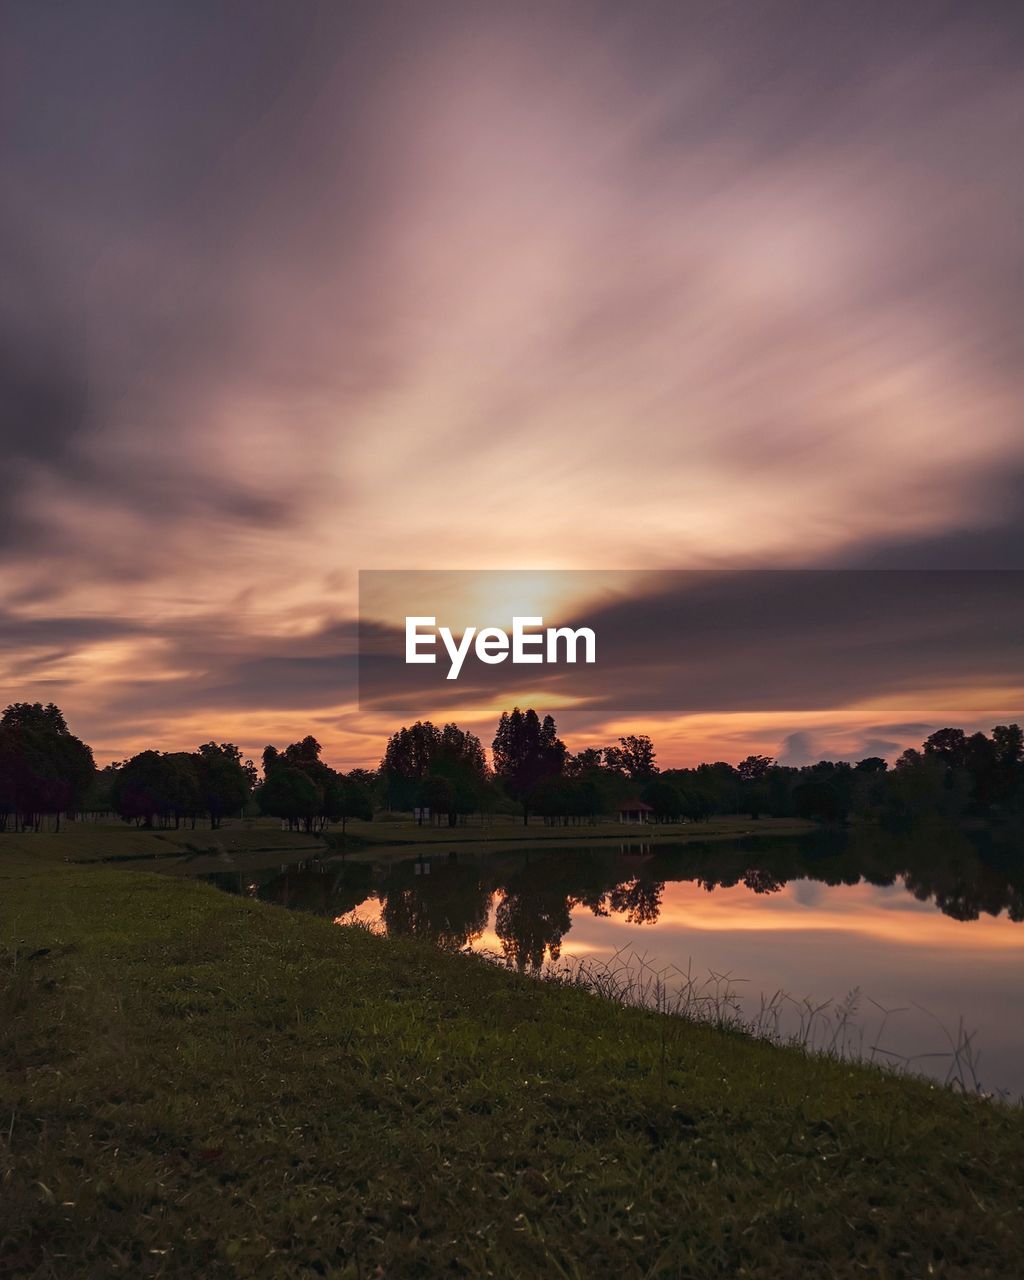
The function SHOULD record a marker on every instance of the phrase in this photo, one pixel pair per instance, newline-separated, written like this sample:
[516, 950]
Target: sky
[293, 291]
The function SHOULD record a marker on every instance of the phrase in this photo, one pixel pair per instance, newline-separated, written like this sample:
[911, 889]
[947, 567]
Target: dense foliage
[300, 789]
[171, 787]
[443, 770]
[44, 768]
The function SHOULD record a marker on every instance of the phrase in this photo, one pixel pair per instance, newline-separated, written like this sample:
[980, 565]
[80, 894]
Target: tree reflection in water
[448, 898]
[449, 906]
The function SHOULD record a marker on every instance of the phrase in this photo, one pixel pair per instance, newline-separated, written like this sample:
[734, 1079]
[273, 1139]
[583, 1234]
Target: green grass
[198, 1085]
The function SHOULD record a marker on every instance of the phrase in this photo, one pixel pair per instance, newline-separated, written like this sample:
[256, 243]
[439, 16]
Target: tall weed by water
[832, 1027]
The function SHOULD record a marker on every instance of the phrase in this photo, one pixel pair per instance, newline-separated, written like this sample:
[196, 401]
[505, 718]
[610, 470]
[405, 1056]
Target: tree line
[46, 773]
[953, 775]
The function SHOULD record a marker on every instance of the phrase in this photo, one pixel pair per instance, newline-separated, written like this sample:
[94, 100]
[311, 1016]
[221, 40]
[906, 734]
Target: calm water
[929, 930]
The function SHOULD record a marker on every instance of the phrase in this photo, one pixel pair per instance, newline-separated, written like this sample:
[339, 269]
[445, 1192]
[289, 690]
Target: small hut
[635, 811]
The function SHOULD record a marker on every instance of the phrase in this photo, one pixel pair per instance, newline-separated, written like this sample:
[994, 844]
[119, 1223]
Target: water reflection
[447, 898]
[442, 900]
[929, 921]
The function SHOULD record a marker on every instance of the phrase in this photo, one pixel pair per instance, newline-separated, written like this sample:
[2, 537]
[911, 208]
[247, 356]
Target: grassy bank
[200, 1085]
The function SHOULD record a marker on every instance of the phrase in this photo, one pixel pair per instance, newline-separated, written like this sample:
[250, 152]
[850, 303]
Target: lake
[904, 950]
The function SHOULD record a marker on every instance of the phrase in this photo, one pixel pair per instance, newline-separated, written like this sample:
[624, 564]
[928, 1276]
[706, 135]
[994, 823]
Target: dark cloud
[753, 641]
[18, 632]
[229, 673]
[995, 540]
[44, 404]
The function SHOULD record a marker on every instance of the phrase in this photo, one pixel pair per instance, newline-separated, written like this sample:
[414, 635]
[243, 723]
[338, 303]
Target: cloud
[294, 293]
[993, 540]
[798, 749]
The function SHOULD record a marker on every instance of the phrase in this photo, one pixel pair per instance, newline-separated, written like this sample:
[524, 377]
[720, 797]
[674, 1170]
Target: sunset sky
[293, 291]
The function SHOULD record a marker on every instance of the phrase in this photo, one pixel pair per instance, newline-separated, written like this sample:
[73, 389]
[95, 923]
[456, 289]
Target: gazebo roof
[631, 805]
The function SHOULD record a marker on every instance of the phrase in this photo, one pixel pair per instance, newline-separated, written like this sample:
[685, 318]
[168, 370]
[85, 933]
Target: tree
[154, 784]
[460, 760]
[924, 784]
[408, 757]
[1008, 744]
[98, 797]
[348, 797]
[224, 782]
[526, 752]
[552, 798]
[450, 753]
[719, 785]
[598, 789]
[301, 788]
[755, 768]
[305, 757]
[818, 799]
[981, 764]
[664, 799]
[44, 768]
[950, 745]
[366, 778]
[697, 805]
[304, 754]
[290, 794]
[586, 761]
[634, 756]
[437, 794]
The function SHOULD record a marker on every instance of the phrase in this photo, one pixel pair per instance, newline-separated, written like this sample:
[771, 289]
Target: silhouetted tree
[289, 793]
[755, 768]
[224, 781]
[664, 799]
[634, 756]
[526, 751]
[157, 785]
[44, 768]
[819, 799]
[450, 753]
[407, 760]
[348, 796]
[949, 745]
